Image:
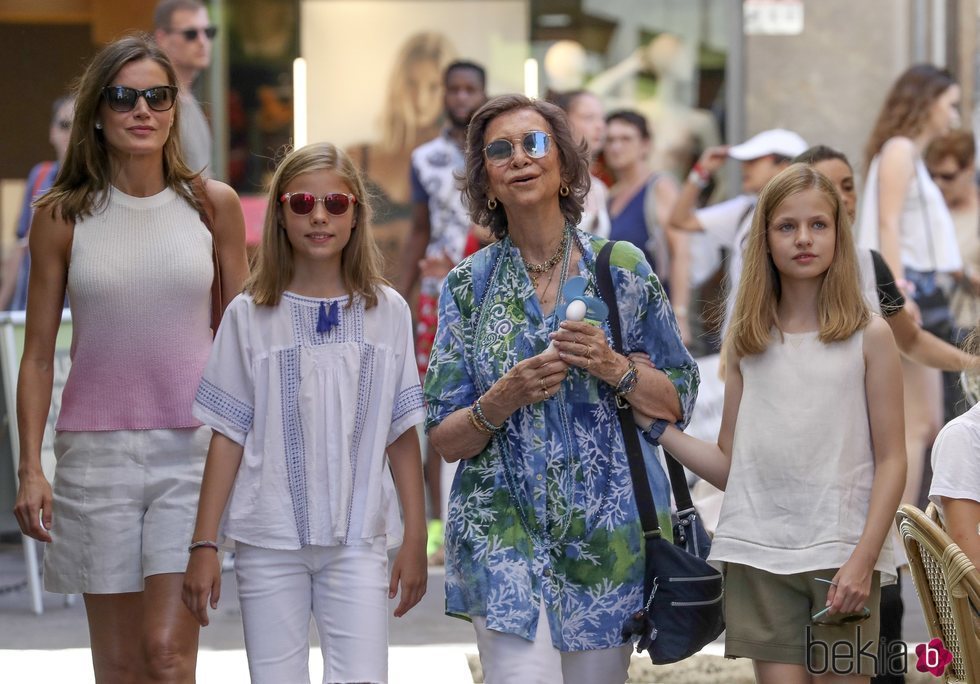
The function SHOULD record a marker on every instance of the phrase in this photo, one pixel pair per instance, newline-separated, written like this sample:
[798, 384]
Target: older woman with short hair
[543, 541]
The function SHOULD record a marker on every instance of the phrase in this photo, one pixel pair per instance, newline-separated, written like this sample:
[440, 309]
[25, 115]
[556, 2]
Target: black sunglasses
[535, 143]
[64, 124]
[190, 34]
[302, 203]
[123, 99]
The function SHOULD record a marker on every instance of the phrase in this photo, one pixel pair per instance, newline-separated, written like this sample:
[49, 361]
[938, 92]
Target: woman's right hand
[33, 505]
[533, 380]
[713, 158]
[202, 581]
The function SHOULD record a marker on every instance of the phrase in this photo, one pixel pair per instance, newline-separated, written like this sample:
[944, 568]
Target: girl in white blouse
[810, 451]
[311, 384]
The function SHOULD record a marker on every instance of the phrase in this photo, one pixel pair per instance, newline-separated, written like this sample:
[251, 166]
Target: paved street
[426, 646]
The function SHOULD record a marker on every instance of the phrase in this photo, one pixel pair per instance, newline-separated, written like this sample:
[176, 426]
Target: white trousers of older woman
[507, 658]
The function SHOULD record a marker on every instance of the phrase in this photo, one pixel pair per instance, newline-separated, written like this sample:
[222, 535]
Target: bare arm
[683, 216]
[680, 255]
[712, 462]
[11, 269]
[456, 437]
[923, 347]
[229, 231]
[410, 567]
[202, 579]
[895, 173]
[962, 518]
[883, 386]
[414, 249]
[50, 244]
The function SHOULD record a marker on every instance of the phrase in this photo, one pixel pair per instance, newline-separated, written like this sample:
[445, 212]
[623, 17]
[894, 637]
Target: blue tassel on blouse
[326, 321]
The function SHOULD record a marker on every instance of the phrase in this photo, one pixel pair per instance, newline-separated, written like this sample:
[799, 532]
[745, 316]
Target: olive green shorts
[768, 618]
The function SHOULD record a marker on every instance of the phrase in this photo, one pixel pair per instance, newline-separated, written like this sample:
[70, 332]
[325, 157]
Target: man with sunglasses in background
[440, 226]
[17, 264]
[184, 32]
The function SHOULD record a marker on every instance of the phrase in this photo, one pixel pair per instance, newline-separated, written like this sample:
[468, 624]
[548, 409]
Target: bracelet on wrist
[627, 383]
[697, 179]
[477, 411]
[475, 422]
[203, 544]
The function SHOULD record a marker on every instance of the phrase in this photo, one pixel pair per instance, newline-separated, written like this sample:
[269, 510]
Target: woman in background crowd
[904, 217]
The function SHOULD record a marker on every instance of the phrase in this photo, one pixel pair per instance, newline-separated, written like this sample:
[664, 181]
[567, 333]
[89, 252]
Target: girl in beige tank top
[810, 451]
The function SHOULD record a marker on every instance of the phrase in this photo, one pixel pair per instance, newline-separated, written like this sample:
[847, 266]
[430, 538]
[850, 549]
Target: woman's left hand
[850, 588]
[410, 573]
[584, 346]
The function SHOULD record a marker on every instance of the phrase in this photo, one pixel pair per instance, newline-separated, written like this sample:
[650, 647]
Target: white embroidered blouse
[315, 412]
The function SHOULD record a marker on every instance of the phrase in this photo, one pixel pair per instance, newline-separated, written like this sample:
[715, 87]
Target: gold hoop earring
[492, 204]
[563, 191]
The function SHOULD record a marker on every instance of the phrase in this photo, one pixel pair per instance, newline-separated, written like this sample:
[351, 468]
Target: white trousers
[345, 588]
[507, 659]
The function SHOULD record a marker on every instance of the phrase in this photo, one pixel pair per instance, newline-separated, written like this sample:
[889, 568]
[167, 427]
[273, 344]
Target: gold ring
[588, 363]
[578, 339]
[588, 351]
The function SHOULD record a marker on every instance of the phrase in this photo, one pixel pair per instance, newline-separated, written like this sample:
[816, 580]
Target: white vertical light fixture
[300, 133]
[531, 77]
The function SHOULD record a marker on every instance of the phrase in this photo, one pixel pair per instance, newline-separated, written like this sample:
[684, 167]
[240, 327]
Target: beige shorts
[124, 507]
[768, 618]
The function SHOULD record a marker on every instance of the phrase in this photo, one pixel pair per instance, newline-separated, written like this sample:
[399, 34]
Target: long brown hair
[906, 107]
[841, 307]
[573, 161]
[83, 181]
[360, 259]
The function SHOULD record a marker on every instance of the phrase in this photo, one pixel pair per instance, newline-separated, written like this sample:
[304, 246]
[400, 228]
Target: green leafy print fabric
[546, 512]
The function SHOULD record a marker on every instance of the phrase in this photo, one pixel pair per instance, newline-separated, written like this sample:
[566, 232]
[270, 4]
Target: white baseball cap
[774, 141]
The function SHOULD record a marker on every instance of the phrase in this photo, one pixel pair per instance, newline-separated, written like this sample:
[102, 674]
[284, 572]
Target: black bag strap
[638, 472]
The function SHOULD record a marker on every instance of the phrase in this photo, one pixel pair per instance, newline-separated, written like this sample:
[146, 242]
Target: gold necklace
[535, 270]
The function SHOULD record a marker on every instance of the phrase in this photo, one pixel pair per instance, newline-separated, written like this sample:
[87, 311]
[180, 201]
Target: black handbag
[682, 609]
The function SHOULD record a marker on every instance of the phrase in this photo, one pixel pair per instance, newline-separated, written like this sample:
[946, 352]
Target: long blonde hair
[841, 307]
[84, 178]
[360, 258]
[400, 123]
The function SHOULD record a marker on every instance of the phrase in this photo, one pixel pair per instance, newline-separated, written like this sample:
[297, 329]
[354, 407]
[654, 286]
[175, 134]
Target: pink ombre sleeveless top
[139, 285]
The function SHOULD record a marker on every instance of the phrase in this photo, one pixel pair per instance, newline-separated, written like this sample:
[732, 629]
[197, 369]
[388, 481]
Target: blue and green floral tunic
[546, 511]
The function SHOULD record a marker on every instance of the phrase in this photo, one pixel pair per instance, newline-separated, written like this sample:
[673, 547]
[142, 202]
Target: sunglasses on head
[190, 34]
[302, 203]
[535, 143]
[123, 99]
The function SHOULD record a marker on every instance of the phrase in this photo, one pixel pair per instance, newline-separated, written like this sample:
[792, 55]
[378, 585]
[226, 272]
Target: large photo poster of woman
[375, 83]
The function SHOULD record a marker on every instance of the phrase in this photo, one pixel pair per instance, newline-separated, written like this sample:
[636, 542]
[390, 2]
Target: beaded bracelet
[477, 411]
[203, 544]
[476, 422]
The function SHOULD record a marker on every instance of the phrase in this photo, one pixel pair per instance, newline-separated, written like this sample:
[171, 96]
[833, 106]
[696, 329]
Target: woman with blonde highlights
[810, 451]
[124, 232]
[313, 396]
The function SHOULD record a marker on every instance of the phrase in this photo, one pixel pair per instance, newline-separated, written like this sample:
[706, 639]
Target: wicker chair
[947, 585]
